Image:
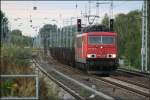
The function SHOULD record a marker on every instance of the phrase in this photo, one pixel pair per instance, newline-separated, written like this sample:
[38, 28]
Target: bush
[14, 57]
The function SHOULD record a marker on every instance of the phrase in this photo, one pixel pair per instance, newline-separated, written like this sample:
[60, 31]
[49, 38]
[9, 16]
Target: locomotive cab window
[108, 40]
[101, 39]
[94, 39]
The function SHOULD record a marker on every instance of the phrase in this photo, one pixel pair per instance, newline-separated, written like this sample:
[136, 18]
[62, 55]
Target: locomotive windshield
[107, 39]
[101, 40]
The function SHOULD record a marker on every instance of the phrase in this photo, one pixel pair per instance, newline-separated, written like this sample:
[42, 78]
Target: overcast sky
[61, 11]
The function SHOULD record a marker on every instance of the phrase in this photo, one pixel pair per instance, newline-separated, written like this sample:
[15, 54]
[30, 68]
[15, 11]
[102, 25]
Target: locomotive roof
[95, 28]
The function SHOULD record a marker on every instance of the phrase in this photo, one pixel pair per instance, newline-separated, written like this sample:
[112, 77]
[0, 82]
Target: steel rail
[123, 86]
[132, 82]
[100, 94]
[73, 93]
[138, 73]
[117, 84]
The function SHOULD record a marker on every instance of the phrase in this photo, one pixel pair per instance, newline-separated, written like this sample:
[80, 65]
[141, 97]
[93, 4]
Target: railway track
[65, 87]
[73, 93]
[137, 73]
[133, 86]
[128, 86]
[125, 84]
[132, 79]
[107, 85]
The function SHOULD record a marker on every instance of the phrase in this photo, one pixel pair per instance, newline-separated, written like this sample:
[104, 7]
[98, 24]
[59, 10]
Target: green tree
[4, 27]
[16, 32]
[18, 39]
[47, 33]
[128, 27]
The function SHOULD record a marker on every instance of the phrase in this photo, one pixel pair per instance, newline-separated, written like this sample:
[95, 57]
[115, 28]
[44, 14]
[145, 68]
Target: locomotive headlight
[91, 55]
[113, 55]
[88, 55]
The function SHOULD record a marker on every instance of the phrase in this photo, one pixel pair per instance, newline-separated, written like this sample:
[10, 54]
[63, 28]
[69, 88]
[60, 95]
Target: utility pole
[148, 5]
[144, 37]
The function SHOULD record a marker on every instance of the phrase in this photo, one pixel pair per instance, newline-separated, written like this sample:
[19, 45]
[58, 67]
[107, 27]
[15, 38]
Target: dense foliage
[128, 27]
[13, 52]
[18, 39]
[4, 27]
[14, 57]
[46, 33]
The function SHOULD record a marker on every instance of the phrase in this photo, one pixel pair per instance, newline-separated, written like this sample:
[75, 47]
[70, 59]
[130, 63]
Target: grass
[16, 60]
[19, 87]
[47, 91]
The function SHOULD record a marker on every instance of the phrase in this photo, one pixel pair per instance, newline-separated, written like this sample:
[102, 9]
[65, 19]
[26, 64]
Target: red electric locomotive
[96, 50]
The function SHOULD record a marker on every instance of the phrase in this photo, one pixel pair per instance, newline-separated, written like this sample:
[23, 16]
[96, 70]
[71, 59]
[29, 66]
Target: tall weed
[14, 58]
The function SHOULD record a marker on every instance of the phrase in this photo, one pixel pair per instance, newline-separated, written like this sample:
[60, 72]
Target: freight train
[94, 49]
